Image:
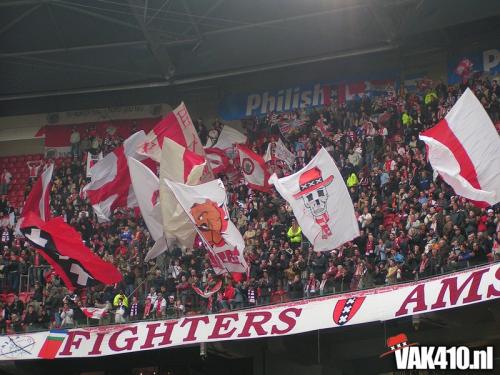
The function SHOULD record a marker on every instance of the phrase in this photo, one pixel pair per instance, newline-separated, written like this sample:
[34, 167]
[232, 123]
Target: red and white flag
[94, 312]
[278, 150]
[180, 165]
[110, 186]
[177, 126]
[92, 159]
[464, 148]
[219, 162]
[320, 202]
[205, 205]
[39, 198]
[254, 169]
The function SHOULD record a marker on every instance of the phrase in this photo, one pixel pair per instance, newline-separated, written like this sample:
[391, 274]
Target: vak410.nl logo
[411, 356]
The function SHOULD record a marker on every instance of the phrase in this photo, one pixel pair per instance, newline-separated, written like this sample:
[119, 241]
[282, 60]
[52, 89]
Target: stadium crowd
[412, 225]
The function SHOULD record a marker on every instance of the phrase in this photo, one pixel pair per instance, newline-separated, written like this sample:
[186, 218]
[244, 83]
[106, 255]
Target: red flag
[254, 169]
[38, 199]
[62, 246]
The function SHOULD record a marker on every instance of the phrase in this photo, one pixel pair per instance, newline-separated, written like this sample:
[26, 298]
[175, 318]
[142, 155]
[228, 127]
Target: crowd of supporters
[412, 225]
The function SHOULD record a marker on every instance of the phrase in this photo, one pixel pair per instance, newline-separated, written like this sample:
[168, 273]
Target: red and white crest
[346, 308]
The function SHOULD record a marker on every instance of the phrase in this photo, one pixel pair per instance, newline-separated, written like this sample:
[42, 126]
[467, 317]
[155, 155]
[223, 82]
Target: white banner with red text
[390, 302]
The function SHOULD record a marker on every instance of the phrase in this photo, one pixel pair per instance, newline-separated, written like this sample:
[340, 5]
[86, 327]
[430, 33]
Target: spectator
[5, 179]
[294, 234]
[66, 316]
[74, 140]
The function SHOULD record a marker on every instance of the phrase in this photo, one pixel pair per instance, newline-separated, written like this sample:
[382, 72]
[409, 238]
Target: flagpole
[143, 281]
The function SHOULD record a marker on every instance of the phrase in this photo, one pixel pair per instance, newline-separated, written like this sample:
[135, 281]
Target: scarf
[133, 309]
[158, 307]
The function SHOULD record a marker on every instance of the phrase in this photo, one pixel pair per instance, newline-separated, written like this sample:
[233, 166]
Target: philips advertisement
[463, 67]
[304, 96]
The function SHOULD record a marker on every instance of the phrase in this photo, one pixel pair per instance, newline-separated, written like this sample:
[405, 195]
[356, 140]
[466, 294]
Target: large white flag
[147, 191]
[205, 205]
[228, 138]
[320, 202]
[180, 165]
[464, 148]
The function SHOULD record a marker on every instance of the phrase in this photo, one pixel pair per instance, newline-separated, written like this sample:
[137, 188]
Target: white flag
[464, 148]
[278, 150]
[228, 138]
[205, 206]
[320, 202]
[147, 191]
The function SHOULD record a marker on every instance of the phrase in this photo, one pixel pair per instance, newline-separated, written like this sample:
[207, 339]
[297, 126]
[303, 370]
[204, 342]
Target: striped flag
[464, 148]
[52, 344]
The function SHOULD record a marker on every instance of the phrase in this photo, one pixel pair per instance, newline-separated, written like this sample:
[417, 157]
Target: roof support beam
[191, 19]
[214, 6]
[97, 15]
[166, 4]
[278, 23]
[17, 3]
[84, 67]
[159, 52]
[53, 19]
[18, 19]
[95, 46]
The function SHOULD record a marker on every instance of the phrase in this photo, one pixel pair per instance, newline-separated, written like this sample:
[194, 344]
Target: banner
[238, 106]
[390, 302]
[466, 66]
[303, 96]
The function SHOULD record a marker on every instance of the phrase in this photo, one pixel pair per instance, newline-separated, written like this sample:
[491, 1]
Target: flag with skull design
[320, 202]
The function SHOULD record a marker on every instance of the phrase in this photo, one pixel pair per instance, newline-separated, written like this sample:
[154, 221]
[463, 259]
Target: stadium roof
[59, 47]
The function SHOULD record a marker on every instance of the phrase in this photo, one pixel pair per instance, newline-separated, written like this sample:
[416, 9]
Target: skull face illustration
[316, 200]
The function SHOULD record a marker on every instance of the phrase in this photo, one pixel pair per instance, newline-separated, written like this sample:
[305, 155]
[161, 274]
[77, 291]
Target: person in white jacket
[67, 317]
